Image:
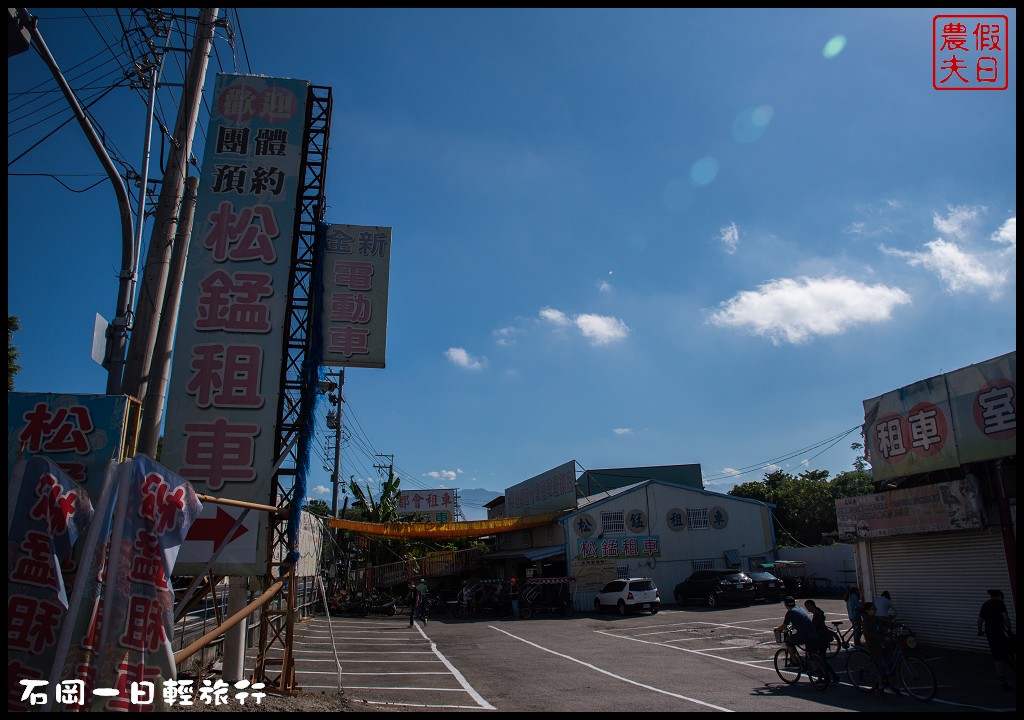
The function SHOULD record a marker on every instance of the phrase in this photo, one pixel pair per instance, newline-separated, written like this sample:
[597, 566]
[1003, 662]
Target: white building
[663, 531]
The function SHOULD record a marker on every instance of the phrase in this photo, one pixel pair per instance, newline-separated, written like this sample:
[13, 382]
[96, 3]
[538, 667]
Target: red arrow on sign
[215, 529]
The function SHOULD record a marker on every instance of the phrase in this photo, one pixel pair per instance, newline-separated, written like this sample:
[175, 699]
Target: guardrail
[439, 564]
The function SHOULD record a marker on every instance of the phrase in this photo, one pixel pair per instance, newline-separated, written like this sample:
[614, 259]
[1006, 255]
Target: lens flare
[704, 171]
[751, 123]
[834, 46]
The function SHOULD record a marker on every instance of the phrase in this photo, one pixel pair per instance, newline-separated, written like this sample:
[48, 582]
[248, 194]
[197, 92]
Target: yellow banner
[444, 531]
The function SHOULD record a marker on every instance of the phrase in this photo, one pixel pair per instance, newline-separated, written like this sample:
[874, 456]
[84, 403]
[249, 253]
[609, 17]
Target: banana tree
[382, 509]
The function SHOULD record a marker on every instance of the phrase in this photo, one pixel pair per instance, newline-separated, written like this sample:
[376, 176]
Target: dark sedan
[767, 586]
[716, 587]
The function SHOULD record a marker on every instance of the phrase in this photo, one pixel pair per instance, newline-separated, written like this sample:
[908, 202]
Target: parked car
[767, 586]
[716, 587]
[629, 594]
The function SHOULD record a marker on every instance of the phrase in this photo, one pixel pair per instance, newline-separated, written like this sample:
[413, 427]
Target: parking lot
[682, 659]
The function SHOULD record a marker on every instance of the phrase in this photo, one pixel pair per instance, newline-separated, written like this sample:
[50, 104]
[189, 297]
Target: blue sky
[624, 237]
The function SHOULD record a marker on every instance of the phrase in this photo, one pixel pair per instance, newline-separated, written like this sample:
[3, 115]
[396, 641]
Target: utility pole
[139, 363]
[156, 390]
[118, 328]
[334, 423]
[390, 466]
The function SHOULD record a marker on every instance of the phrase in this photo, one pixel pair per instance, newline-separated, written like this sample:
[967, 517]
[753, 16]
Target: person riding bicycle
[818, 618]
[803, 629]
[886, 610]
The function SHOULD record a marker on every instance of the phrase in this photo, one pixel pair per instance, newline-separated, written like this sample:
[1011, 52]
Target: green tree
[13, 325]
[805, 504]
[319, 508]
[380, 509]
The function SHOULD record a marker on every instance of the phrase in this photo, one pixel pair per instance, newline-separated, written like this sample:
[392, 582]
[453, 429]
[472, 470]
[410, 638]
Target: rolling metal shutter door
[938, 583]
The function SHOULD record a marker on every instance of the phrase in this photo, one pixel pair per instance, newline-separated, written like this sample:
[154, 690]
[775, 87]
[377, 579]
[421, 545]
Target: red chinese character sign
[80, 433]
[970, 52]
[48, 515]
[226, 376]
[429, 505]
[945, 421]
[354, 311]
[155, 509]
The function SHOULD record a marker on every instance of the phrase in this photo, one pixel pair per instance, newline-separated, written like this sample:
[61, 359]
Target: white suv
[629, 594]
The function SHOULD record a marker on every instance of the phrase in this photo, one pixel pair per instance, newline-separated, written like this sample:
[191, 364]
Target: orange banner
[444, 531]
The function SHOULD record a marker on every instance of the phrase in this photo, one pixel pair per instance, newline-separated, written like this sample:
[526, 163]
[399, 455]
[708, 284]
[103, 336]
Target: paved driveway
[682, 659]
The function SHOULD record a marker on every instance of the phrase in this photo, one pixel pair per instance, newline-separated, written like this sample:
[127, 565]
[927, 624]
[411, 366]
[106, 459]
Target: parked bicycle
[840, 639]
[914, 674]
[806, 663]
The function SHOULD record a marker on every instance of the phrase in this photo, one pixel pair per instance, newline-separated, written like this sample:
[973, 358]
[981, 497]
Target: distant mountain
[472, 502]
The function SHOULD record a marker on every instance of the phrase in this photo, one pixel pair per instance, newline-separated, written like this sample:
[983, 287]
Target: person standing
[414, 602]
[818, 618]
[994, 624]
[513, 596]
[804, 632]
[424, 591]
[874, 641]
[854, 612]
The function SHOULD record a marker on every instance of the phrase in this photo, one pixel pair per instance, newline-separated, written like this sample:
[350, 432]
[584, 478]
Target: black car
[716, 587]
[767, 586]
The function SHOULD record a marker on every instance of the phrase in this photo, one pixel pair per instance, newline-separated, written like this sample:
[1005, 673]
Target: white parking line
[610, 674]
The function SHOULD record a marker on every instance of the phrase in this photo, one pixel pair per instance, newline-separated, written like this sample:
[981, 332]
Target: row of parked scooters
[360, 605]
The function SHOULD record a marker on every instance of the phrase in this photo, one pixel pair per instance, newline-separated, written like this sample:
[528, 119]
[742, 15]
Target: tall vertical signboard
[225, 383]
[354, 319]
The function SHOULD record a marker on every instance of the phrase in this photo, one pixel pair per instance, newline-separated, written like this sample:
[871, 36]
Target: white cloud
[601, 329]
[862, 229]
[458, 356]
[1007, 234]
[796, 310]
[730, 237]
[622, 431]
[604, 286]
[731, 471]
[443, 475]
[598, 329]
[555, 317]
[321, 490]
[960, 270]
[507, 335]
[954, 224]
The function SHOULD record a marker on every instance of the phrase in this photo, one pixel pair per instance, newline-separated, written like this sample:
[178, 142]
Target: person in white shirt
[883, 604]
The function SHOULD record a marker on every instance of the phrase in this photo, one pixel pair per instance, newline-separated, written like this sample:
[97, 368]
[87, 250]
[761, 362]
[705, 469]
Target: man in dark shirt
[994, 623]
[414, 602]
[803, 628]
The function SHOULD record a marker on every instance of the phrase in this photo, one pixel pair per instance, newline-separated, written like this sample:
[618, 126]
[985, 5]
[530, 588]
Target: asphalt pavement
[442, 667]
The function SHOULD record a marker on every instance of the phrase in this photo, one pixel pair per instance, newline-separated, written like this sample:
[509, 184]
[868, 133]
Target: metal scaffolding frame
[275, 663]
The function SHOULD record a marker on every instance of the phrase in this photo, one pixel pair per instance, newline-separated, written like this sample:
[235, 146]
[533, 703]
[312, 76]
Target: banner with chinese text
[47, 513]
[222, 407]
[155, 508]
[80, 433]
[945, 421]
[354, 318]
[430, 505]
